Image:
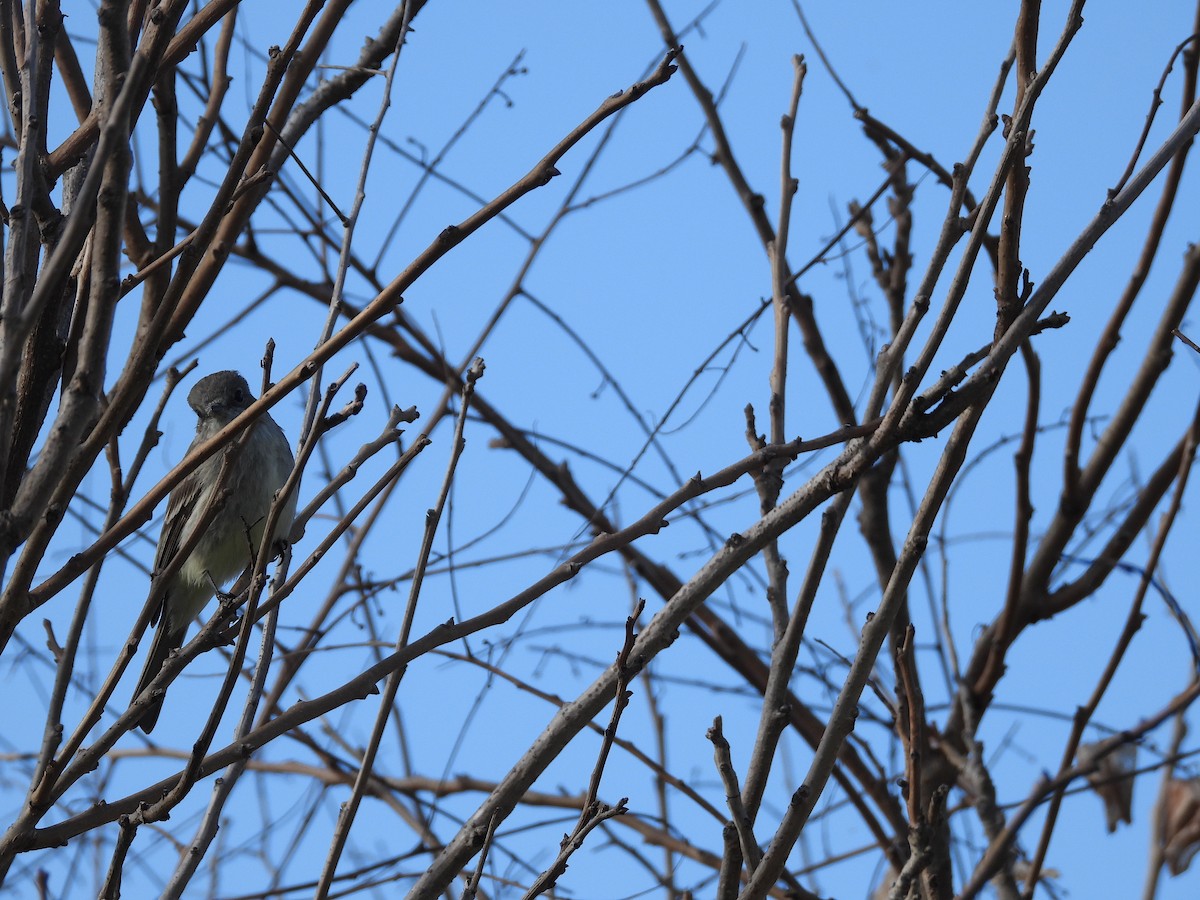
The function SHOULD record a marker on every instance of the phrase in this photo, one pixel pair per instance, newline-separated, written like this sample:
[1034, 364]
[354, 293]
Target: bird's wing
[180, 509]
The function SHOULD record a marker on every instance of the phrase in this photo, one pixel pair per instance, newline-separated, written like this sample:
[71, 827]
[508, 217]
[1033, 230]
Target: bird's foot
[229, 602]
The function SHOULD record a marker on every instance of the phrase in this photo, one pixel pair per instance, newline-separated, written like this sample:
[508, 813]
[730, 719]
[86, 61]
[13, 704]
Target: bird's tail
[165, 640]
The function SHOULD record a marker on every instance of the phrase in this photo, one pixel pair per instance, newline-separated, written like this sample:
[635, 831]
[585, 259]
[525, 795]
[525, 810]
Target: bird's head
[221, 395]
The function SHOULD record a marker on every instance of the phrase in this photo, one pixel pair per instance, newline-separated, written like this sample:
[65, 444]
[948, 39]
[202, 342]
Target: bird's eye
[239, 396]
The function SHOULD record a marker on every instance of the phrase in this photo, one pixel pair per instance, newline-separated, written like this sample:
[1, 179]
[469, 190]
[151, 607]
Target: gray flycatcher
[233, 537]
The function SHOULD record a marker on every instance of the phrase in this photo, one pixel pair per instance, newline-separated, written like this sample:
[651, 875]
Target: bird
[232, 538]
